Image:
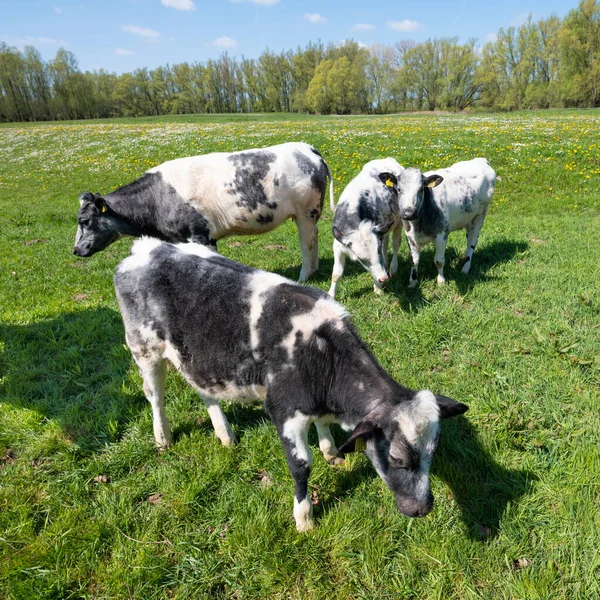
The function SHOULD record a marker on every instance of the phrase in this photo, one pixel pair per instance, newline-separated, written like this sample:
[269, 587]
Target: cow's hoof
[412, 284]
[466, 267]
[336, 461]
[378, 290]
[441, 280]
[305, 525]
[228, 442]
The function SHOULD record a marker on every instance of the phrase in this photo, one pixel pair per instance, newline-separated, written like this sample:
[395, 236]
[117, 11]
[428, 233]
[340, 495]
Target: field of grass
[89, 509]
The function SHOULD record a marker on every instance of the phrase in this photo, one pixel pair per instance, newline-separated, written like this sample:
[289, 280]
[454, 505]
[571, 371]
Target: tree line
[549, 63]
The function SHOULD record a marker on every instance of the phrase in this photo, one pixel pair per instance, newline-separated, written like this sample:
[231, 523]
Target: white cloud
[261, 2]
[33, 41]
[179, 4]
[491, 37]
[314, 18]
[123, 52]
[363, 27]
[224, 42]
[405, 25]
[520, 19]
[149, 34]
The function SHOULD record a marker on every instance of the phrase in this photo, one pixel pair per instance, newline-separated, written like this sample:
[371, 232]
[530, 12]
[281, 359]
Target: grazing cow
[205, 198]
[366, 211]
[435, 203]
[235, 332]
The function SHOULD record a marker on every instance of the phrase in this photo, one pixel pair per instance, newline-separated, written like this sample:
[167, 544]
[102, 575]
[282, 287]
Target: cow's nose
[383, 278]
[414, 508]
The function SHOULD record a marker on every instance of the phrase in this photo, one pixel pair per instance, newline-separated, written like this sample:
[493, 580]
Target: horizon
[151, 33]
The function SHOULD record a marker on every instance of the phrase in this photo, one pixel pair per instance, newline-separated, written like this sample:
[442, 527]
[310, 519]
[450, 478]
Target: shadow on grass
[71, 369]
[485, 257]
[482, 488]
[410, 299]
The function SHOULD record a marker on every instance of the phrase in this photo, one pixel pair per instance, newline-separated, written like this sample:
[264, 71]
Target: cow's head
[364, 244]
[400, 442]
[411, 187]
[97, 225]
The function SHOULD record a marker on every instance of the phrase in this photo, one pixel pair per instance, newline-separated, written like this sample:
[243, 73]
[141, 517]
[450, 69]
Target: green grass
[88, 509]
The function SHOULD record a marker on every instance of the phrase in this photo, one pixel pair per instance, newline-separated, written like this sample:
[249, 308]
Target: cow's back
[250, 191]
[465, 192]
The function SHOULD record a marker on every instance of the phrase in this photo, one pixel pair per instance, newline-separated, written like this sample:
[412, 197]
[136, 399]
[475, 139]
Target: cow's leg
[153, 372]
[415, 254]
[440, 253]
[294, 436]
[339, 259]
[315, 250]
[327, 444]
[306, 228]
[219, 422]
[385, 245]
[473, 230]
[396, 241]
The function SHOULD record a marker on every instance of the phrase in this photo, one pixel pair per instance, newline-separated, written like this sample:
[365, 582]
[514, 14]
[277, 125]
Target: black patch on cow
[413, 274]
[264, 219]
[467, 259]
[367, 211]
[147, 206]
[432, 220]
[317, 172]
[315, 151]
[314, 213]
[276, 181]
[250, 170]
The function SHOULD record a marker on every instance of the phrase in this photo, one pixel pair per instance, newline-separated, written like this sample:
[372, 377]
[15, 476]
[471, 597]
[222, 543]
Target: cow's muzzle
[413, 508]
[77, 251]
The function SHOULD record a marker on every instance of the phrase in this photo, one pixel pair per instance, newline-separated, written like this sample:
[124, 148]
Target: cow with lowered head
[205, 198]
[238, 333]
[365, 215]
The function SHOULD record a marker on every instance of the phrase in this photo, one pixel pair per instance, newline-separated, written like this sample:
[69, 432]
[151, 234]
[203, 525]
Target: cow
[434, 203]
[238, 333]
[366, 212]
[208, 197]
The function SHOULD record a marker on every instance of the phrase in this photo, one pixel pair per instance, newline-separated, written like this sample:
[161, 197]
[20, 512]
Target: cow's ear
[389, 179]
[356, 442]
[100, 204]
[86, 198]
[337, 234]
[450, 408]
[433, 181]
[383, 228]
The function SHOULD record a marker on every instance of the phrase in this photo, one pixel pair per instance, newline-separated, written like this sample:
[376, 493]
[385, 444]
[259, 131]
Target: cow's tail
[331, 196]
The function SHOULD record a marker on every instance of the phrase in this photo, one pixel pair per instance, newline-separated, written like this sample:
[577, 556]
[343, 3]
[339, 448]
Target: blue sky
[121, 35]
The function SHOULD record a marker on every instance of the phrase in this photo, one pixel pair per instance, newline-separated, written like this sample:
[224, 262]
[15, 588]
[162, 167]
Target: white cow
[366, 213]
[205, 198]
[434, 203]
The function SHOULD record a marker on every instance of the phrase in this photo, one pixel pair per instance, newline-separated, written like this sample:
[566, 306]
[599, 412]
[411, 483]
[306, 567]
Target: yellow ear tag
[389, 183]
[360, 445]
[103, 208]
[432, 183]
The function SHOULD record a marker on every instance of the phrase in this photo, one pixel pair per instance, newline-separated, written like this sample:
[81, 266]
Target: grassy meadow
[89, 509]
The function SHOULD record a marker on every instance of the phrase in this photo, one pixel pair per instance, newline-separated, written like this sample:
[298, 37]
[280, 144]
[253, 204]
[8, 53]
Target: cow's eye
[397, 463]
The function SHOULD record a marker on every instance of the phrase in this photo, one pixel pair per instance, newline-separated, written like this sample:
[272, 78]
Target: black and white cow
[366, 212]
[235, 332]
[205, 198]
[434, 203]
